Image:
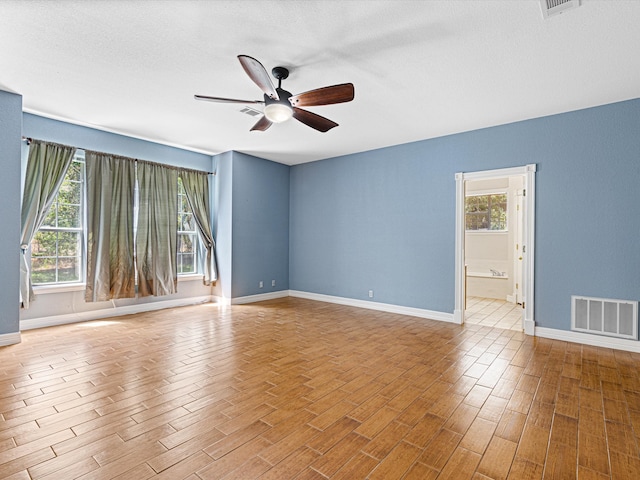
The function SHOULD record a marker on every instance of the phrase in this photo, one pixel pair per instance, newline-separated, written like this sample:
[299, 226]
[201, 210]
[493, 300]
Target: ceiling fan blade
[321, 124]
[261, 124]
[259, 75]
[225, 100]
[324, 96]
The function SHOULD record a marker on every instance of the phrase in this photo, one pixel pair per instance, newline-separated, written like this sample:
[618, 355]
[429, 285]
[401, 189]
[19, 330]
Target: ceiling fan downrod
[280, 73]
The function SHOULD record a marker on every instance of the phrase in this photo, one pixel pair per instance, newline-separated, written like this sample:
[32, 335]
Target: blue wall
[260, 225]
[251, 225]
[10, 131]
[384, 220]
[367, 222]
[91, 139]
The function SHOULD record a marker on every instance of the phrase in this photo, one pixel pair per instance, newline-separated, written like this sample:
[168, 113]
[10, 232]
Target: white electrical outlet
[273, 283]
[370, 293]
[261, 284]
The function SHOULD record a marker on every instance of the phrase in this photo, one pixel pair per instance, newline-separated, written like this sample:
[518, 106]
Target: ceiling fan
[280, 105]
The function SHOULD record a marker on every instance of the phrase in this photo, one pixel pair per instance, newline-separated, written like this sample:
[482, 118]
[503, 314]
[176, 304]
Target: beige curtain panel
[157, 231]
[110, 243]
[46, 167]
[196, 187]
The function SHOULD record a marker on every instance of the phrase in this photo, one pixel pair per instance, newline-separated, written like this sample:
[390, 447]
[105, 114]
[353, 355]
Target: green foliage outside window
[56, 250]
[187, 234]
[486, 212]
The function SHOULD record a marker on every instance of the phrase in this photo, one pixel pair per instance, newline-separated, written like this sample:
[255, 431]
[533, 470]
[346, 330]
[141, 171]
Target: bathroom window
[486, 212]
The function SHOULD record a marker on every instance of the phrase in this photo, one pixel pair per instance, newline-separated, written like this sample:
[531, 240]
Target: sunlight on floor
[491, 312]
[98, 323]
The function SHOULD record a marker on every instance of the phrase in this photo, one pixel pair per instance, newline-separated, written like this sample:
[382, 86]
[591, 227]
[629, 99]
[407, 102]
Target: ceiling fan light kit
[281, 105]
[278, 112]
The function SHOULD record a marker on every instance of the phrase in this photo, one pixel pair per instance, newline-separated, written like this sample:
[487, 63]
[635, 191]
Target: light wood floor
[296, 389]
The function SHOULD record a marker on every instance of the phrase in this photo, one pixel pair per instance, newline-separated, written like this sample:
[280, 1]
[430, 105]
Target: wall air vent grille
[250, 111]
[555, 7]
[602, 316]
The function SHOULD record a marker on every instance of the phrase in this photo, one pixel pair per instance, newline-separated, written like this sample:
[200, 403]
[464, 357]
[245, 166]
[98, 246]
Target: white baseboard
[589, 339]
[260, 297]
[110, 312]
[529, 327]
[220, 300]
[10, 339]
[383, 307]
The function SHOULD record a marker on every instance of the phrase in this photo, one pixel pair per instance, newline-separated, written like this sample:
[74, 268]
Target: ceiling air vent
[250, 111]
[555, 7]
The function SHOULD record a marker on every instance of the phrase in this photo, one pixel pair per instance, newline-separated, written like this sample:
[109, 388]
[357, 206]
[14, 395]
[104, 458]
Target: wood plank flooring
[296, 389]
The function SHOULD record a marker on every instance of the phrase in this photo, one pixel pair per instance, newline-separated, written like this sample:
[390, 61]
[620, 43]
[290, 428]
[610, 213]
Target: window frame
[78, 157]
[488, 194]
[195, 242]
[61, 286]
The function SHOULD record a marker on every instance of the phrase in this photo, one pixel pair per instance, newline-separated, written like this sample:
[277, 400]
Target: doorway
[506, 276]
[492, 239]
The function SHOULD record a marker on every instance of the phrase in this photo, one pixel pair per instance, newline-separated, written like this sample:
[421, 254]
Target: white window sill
[76, 287]
[65, 287]
[190, 277]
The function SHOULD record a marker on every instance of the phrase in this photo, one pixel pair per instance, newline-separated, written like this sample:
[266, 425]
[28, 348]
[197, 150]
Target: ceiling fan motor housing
[283, 97]
[278, 110]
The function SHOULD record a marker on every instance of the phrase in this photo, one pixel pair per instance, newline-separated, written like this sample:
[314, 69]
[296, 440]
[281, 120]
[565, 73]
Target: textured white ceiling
[421, 69]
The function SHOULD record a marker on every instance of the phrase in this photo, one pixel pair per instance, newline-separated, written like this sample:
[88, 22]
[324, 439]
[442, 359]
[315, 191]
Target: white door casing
[527, 248]
[518, 257]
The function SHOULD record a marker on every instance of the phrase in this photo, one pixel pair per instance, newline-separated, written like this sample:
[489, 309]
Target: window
[486, 212]
[188, 240]
[57, 247]
[187, 235]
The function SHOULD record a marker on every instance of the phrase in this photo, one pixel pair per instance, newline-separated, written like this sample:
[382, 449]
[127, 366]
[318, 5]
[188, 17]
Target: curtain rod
[28, 141]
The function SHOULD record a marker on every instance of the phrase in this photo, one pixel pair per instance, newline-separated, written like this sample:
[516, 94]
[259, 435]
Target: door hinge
[522, 304]
[524, 192]
[524, 248]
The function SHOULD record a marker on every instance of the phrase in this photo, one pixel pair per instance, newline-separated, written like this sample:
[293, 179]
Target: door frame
[528, 173]
[518, 259]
